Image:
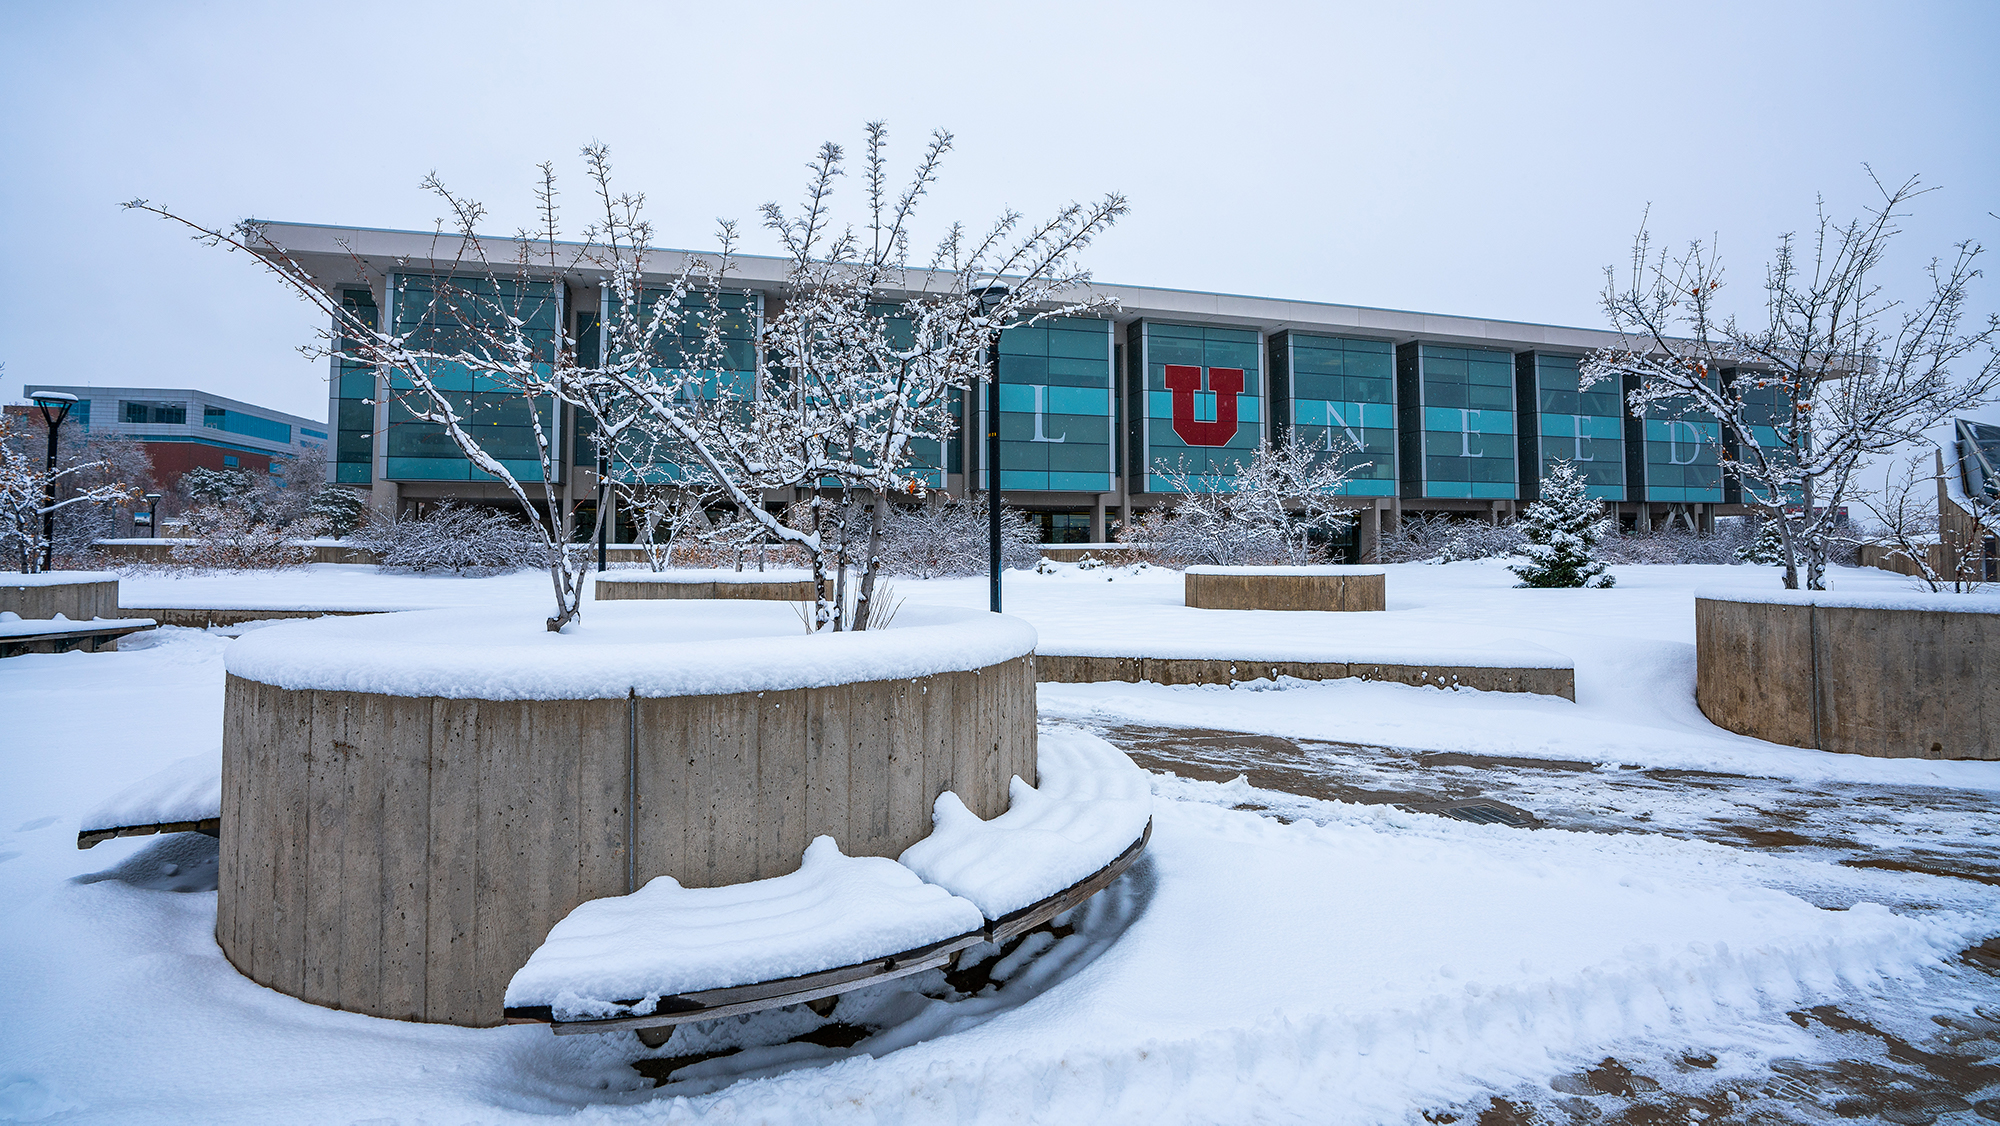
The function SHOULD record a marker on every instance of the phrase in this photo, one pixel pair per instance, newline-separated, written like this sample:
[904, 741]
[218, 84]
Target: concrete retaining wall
[402, 856]
[1892, 683]
[1284, 592]
[1159, 670]
[773, 591]
[161, 551]
[78, 601]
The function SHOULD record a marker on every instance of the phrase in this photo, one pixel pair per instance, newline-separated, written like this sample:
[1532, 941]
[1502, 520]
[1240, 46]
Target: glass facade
[1055, 408]
[1339, 393]
[1585, 427]
[1765, 409]
[1198, 402]
[354, 384]
[1456, 417]
[1678, 454]
[157, 413]
[237, 422]
[496, 417]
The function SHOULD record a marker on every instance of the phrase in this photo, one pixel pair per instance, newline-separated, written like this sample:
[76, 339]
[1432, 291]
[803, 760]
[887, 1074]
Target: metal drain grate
[1486, 811]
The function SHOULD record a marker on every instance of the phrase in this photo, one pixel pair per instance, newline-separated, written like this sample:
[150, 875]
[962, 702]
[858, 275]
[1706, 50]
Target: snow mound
[1939, 601]
[663, 939]
[188, 789]
[654, 648]
[1092, 804]
[1503, 653]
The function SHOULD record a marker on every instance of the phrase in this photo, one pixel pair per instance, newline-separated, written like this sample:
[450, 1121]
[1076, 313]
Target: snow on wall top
[59, 578]
[1092, 804]
[1287, 572]
[836, 910]
[1505, 653]
[716, 575]
[1937, 601]
[664, 648]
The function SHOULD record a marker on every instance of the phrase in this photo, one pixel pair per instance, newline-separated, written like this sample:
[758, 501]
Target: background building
[1448, 414]
[182, 428]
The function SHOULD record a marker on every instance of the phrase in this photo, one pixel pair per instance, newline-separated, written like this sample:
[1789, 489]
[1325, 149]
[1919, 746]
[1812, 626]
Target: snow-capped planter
[411, 801]
[1284, 588]
[1893, 675]
[79, 596]
[772, 586]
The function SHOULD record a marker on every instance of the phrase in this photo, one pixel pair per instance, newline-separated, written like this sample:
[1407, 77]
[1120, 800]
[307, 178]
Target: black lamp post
[153, 515]
[603, 488]
[55, 408]
[989, 299]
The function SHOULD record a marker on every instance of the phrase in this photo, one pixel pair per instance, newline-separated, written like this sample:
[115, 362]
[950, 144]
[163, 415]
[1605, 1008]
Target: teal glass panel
[1211, 454]
[1583, 427]
[1468, 420]
[1055, 407]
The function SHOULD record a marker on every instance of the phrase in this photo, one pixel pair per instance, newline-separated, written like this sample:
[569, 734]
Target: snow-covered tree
[1279, 507]
[858, 367]
[26, 486]
[1562, 529]
[1834, 372]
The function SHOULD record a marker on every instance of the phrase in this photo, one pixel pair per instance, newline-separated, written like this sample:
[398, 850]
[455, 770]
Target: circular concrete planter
[411, 801]
[1889, 675]
[778, 586]
[79, 596]
[1284, 588]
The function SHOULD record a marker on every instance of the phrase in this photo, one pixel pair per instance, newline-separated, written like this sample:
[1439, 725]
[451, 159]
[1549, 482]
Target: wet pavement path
[1932, 1058]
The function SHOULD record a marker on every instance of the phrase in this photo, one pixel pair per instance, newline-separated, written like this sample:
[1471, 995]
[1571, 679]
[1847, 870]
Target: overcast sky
[1474, 159]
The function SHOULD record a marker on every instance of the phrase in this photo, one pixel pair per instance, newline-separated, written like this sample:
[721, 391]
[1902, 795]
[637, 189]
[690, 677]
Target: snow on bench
[667, 954]
[184, 797]
[58, 634]
[666, 949]
[1093, 805]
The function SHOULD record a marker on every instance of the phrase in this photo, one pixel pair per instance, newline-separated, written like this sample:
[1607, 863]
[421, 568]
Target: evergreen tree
[1563, 529]
[1767, 550]
[339, 510]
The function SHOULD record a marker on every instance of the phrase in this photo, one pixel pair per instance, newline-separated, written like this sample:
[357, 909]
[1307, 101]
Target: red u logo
[1224, 383]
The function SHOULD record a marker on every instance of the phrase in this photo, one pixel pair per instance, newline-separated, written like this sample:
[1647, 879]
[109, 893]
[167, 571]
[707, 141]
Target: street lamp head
[151, 497]
[991, 295]
[55, 405]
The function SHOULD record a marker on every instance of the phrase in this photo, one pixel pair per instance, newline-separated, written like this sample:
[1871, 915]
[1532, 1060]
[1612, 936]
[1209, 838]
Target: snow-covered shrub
[455, 538]
[1438, 537]
[1672, 545]
[1279, 507]
[225, 537]
[1562, 530]
[941, 541]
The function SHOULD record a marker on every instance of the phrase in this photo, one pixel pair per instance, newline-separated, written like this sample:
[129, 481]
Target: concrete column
[1395, 514]
[1493, 513]
[1645, 521]
[1371, 531]
[1097, 519]
[385, 497]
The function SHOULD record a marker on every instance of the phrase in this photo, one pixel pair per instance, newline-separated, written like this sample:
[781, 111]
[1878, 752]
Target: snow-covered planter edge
[1285, 588]
[621, 650]
[383, 797]
[1888, 675]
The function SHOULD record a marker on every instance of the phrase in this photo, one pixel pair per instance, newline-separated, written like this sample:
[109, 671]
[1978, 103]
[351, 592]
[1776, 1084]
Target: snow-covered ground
[1298, 958]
